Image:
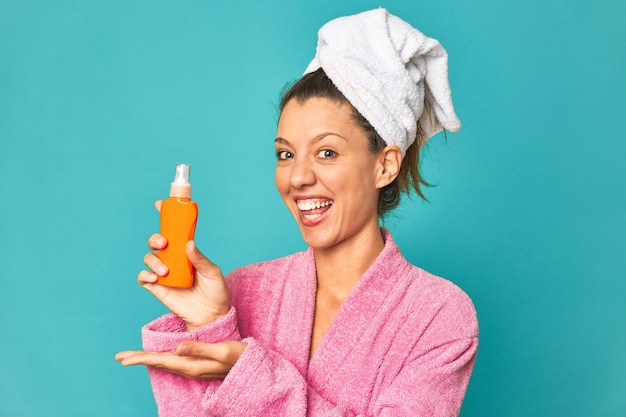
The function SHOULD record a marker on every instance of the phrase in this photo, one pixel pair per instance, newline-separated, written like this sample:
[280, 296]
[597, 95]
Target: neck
[340, 267]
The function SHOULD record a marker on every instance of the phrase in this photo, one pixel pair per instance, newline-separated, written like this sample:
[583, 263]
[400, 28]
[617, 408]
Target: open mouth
[312, 210]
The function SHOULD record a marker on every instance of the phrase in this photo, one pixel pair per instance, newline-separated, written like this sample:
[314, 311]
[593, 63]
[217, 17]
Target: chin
[318, 239]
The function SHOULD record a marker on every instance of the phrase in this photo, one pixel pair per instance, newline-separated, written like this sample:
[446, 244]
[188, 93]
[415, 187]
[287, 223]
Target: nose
[302, 173]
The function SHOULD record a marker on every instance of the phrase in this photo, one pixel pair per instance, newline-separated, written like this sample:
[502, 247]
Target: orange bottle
[178, 225]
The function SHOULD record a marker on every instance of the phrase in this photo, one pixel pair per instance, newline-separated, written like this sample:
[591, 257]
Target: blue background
[99, 100]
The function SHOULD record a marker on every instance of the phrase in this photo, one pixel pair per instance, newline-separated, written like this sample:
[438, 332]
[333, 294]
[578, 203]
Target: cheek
[355, 180]
[281, 180]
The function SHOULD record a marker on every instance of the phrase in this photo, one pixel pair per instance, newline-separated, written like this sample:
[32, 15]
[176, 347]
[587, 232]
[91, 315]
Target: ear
[389, 163]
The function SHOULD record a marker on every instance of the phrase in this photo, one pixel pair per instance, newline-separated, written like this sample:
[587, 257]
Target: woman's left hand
[194, 360]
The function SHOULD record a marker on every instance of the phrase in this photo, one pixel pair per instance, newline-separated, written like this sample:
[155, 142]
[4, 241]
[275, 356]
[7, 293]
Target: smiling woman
[347, 327]
[317, 84]
[327, 176]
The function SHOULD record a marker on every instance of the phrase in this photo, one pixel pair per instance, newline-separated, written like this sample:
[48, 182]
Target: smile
[313, 211]
[306, 205]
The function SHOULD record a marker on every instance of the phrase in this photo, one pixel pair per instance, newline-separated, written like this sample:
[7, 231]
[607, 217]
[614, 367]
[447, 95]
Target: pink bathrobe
[402, 344]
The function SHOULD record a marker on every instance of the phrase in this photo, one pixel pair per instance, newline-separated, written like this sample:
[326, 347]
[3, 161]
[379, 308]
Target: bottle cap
[181, 187]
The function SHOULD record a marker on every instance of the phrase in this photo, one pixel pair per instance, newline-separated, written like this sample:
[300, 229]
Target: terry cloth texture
[402, 344]
[388, 70]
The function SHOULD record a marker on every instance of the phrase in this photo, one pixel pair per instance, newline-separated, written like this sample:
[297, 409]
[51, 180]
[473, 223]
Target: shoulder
[431, 299]
[443, 302]
[438, 287]
[421, 283]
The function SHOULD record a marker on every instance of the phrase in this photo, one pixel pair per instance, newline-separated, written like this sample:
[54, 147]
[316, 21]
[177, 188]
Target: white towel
[387, 69]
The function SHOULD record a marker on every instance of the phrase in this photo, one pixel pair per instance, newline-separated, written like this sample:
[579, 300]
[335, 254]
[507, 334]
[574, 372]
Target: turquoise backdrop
[99, 99]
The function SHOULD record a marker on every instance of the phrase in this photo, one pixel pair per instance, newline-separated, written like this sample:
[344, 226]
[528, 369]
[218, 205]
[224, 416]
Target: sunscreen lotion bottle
[178, 224]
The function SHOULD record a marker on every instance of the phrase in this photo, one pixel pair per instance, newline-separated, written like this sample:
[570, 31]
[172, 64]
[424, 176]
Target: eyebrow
[312, 141]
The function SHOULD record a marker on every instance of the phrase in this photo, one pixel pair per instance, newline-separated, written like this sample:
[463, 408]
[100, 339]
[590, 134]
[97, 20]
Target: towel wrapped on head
[388, 70]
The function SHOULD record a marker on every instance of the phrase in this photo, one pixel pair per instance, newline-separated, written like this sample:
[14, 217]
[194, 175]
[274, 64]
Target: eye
[326, 154]
[283, 155]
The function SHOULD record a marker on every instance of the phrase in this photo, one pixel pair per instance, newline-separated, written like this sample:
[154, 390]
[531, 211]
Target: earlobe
[390, 161]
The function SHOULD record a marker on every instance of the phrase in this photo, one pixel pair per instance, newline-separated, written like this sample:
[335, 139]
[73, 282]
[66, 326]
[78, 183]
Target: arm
[177, 394]
[200, 314]
[432, 384]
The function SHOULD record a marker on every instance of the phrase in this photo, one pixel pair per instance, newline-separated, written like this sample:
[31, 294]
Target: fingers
[157, 268]
[202, 264]
[147, 277]
[210, 361]
[155, 264]
[140, 357]
[225, 352]
[157, 242]
[120, 356]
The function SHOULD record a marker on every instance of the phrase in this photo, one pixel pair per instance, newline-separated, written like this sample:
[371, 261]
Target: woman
[347, 327]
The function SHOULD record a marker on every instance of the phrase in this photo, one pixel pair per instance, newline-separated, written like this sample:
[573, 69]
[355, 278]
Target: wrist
[210, 318]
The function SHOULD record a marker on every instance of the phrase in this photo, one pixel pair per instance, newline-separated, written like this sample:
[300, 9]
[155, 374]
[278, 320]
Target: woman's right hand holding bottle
[206, 301]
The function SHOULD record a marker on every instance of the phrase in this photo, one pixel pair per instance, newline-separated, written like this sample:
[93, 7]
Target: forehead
[316, 115]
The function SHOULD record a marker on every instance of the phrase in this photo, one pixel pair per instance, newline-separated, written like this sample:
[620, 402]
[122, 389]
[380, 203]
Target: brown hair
[317, 84]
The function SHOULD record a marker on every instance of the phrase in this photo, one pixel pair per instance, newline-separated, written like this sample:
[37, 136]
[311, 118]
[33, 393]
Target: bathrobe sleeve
[431, 385]
[176, 395]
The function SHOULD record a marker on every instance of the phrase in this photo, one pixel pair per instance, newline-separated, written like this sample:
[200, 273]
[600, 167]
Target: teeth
[312, 204]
